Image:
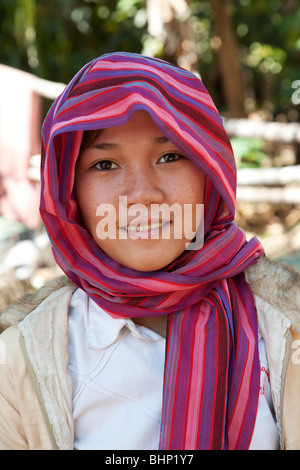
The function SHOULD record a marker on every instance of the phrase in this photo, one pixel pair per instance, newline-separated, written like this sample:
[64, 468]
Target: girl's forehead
[140, 122]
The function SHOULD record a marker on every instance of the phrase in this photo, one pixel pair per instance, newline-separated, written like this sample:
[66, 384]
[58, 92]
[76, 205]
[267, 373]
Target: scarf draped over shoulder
[211, 380]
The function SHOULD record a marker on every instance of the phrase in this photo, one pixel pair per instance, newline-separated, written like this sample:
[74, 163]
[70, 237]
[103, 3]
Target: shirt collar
[103, 330]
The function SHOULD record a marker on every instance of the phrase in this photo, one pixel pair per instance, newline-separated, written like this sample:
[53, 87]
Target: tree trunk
[232, 78]
[171, 22]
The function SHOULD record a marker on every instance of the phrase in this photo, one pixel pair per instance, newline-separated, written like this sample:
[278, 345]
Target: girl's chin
[145, 254]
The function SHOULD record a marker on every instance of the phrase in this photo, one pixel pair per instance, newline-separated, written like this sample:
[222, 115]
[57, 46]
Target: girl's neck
[157, 324]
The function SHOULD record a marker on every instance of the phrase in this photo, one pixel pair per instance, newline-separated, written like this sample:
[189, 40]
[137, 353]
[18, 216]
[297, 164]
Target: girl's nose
[144, 187]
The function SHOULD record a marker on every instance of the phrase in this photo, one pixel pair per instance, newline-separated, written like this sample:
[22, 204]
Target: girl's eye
[170, 157]
[105, 165]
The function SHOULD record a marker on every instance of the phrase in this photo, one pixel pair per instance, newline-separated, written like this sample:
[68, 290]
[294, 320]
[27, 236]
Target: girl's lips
[146, 230]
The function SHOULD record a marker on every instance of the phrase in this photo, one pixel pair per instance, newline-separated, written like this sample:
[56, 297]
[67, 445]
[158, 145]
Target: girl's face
[122, 178]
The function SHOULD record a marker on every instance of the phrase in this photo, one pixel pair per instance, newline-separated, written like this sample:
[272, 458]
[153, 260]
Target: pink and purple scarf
[211, 381]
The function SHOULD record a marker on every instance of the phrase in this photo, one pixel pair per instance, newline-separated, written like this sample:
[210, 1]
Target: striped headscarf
[211, 379]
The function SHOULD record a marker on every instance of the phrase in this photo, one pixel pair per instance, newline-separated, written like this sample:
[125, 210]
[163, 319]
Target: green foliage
[248, 152]
[53, 39]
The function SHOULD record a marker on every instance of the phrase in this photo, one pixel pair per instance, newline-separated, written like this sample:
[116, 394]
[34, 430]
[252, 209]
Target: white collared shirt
[117, 370]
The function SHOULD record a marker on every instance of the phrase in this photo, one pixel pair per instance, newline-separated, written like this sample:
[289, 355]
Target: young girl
[151, 341]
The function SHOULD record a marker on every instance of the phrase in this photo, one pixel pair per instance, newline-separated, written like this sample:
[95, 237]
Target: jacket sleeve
[291, 402]
[22, 422]
[12, 432]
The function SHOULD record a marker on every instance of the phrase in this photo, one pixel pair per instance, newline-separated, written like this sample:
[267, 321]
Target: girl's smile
[137, 164]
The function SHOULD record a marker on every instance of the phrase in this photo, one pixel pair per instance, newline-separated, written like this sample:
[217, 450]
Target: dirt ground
[277, 226]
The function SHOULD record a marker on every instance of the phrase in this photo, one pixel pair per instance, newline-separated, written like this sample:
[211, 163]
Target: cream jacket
[36, 387]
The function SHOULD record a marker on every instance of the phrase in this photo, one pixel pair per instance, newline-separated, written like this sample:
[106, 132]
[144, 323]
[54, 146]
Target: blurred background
[247, 53]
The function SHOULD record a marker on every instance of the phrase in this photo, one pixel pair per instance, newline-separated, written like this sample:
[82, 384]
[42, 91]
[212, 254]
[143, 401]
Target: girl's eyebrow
[104, 146]
[111, 146]
[161, 140]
